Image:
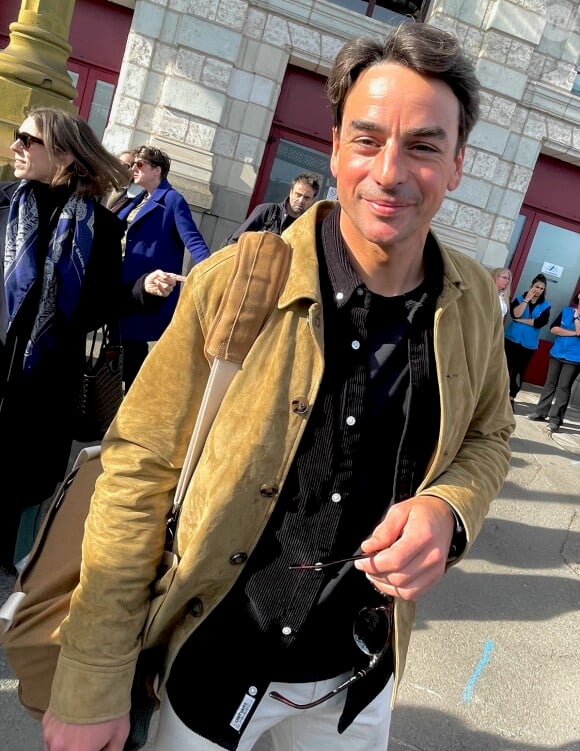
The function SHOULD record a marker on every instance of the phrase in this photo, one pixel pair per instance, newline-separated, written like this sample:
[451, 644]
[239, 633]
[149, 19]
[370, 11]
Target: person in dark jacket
[61, 260]
[159, 228]
[276, 217]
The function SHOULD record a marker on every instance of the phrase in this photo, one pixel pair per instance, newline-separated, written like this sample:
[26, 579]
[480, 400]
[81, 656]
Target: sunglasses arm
[359, 674]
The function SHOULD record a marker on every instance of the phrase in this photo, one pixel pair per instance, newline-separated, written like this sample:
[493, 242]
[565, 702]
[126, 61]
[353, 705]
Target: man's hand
[102, 736]
[161, 283]
[412, 544]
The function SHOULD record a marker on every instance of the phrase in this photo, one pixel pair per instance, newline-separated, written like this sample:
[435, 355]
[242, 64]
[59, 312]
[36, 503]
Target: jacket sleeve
[188, 231]
[253, 223]
[125, 529]
[473, 454]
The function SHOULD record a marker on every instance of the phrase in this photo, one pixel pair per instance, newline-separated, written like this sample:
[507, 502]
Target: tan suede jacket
[246, 459]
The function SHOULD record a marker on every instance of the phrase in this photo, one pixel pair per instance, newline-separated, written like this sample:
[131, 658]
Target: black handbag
[101, 389]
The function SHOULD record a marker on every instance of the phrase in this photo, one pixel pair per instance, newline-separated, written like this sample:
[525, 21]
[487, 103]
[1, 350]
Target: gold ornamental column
[33, 68]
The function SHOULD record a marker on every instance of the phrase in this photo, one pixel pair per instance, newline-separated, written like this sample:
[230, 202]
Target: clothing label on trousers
[242, 712]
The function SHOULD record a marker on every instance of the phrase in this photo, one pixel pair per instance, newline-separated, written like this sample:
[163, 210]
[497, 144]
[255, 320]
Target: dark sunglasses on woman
[26, 139]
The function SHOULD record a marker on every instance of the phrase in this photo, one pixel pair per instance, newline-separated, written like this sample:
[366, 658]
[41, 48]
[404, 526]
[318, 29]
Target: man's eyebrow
[427, 131]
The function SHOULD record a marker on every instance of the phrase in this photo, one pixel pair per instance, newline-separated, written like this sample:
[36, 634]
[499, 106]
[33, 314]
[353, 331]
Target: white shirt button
[286, 630]
[252, 690]
[355, 344]
[340, 295]
[360, 291]
[350, 420]
[336, 498]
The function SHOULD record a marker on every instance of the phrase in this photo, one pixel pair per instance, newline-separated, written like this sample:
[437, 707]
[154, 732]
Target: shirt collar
[345, 281]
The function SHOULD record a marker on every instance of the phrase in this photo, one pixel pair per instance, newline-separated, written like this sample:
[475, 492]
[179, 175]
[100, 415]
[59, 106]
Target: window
[389, 11]
[576, 86]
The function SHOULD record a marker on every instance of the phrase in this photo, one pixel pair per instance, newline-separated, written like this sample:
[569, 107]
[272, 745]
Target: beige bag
[30, 619]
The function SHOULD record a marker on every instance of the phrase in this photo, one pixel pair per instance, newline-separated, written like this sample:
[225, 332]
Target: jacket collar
[303, 276]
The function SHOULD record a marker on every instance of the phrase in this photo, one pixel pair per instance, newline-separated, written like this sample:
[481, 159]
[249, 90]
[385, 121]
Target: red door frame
[302, 116]
[538, 368]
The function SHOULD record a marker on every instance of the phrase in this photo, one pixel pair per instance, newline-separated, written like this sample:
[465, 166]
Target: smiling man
[352, 462]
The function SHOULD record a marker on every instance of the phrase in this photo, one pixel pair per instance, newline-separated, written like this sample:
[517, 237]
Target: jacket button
[195, 607]
[300, 405]
[238, 558]
[268, 490]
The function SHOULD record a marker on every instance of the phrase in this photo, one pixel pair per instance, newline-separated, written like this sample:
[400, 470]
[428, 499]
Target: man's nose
[389, 165]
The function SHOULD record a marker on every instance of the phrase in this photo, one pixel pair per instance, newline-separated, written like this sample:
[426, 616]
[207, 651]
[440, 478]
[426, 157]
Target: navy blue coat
[156, 239]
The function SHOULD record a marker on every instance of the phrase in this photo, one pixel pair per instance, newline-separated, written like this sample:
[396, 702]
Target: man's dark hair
[155, 157]
[429, 51]
[310, 178]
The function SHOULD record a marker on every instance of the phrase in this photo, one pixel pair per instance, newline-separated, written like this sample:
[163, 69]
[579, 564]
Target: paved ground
[494, 663]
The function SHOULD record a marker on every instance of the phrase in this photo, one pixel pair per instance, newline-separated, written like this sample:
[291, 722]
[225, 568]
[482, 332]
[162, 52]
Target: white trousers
[276, 727]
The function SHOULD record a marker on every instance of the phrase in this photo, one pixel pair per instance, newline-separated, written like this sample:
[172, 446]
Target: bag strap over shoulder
[260, 268]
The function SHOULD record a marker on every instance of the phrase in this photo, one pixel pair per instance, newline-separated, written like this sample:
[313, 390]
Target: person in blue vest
[530, 312]
[160, 228]
[563, 367]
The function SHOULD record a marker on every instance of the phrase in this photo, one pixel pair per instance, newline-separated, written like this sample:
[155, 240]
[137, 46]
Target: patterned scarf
[64, 266]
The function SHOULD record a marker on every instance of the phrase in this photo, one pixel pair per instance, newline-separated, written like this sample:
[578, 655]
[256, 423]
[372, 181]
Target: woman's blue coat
[156, 239]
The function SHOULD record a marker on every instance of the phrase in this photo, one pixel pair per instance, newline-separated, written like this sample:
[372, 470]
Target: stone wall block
[510, 206]
[225, 142]
[188, 64]
[169, 28]
[484, 165]
[502, 172]
[535, 126]
[474, 220]
[163, 60]
[472, 191]
[232, 13]
[520, 55]
[495, 47]
[304, 39]
[209, 39]
[200, 135]
[153, 89]
[255, 23]
[489, 137]
[559, 132]
[193, 99]
[520, 178]
[247, 149]
[276, 32]
[501, 111]
[516, 21]
[502, 230]
[216, 74]
[500, 79]
[139, 50]
[148, 20]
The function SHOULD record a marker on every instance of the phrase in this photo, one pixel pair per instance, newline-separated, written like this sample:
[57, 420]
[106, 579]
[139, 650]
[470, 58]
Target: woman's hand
[161, 283]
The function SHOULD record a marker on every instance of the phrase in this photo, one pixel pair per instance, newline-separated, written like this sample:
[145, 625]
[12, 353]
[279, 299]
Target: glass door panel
[290, 159]
[554, 252]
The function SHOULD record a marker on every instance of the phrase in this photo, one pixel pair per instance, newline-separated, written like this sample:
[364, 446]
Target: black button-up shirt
[296, 626]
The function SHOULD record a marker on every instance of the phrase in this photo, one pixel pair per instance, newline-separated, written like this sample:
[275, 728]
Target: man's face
[395, 157]
[301, 198]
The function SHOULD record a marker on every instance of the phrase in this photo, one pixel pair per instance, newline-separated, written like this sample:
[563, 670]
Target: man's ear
[457, 172]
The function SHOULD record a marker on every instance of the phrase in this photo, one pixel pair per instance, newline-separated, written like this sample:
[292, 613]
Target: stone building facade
[202, 80]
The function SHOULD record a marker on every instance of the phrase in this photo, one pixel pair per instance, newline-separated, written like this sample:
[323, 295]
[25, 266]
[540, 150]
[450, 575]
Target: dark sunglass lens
[371, 630]
[24, 138]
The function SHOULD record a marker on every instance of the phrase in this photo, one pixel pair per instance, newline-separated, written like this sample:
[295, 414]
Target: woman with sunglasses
[160, 228]
[61, 256]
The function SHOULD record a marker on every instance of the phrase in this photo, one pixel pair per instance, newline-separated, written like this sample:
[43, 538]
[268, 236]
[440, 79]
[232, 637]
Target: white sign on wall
[552, 269]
